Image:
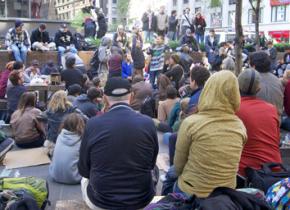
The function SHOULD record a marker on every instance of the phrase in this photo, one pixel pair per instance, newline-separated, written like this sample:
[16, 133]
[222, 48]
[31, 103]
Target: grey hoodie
[63, 168]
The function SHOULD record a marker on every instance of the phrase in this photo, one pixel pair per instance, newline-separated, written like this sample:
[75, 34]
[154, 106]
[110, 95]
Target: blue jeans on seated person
[169, 182]
[61, 51]
[35, 143]
[20, 53]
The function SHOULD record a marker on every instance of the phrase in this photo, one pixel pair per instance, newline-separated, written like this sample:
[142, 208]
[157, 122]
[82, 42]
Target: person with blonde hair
[58, 107]
[27, 131]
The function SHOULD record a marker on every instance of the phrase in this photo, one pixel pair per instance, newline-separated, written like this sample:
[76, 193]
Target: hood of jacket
[220, 93]
[68, 138]
[106, 41]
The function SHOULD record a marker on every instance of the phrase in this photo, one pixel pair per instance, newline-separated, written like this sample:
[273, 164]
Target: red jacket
[3, 82]
[261, 121]
[287, 98]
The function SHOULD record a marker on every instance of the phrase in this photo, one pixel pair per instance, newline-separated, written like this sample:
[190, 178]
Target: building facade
[67, 9]
[274, 19]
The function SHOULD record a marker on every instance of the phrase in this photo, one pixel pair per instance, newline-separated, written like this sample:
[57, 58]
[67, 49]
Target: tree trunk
[239, 37]
[257, 24]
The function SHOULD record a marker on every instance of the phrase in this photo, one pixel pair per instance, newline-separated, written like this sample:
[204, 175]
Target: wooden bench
[44, 57]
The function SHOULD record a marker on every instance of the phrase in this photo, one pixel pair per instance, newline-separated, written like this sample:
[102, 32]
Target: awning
[279, 34]
[279, 2]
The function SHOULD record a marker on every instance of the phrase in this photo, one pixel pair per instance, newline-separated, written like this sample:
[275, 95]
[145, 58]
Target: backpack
[174, 201]
[148, 107]
[35, 186]
[264, 178]
[278, 196]
[17, 200]
[94, 63]
[80, 42]
[103, 54]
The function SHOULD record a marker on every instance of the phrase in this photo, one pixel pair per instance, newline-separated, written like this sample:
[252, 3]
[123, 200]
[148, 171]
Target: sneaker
[5, 146]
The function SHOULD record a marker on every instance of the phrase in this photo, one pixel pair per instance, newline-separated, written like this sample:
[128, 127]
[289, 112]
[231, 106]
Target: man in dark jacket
[103, 26]
[118, 153]
[189, 40]
[149, 21]
[72, 75]
[172, 23]
[40, 39]
[89, 103]
[64, 42]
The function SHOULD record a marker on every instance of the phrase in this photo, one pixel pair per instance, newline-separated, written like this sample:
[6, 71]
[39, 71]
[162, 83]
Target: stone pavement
[69, 195]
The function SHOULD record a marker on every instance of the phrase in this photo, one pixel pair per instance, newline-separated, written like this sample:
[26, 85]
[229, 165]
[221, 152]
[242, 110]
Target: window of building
[2, 9]
[18, 8]
[114, 1]
[231, 19]
[174, 3]
[278, 13]
[216, 19]
[231, 2]
[185, 1]
[252, 16]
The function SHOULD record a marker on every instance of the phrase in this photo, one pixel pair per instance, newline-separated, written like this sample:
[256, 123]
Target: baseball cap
[18, 23]
[117, 87]
[249, 81]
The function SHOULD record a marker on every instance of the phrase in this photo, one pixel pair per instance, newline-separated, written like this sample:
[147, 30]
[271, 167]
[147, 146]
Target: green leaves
[215, 3]
[78, 20]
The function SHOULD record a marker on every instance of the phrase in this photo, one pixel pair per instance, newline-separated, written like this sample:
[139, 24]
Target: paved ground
[60, 191]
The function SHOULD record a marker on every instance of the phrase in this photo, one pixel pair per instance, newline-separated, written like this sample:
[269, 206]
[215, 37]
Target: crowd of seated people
[96, 136]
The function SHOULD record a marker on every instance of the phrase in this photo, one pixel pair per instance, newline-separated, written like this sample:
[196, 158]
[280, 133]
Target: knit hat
[249, 82]
[74, 89]
[18, 23]
[117, 87]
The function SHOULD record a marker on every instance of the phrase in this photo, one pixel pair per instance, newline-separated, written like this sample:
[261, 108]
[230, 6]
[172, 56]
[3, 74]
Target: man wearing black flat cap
[118, 153]
[18, 42]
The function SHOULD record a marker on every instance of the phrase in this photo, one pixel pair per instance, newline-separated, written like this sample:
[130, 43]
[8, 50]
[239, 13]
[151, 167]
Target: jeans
[200, 38]
[153, 77]
[20, 54]
[172, 35]
[168, 184]
[38, 142]
[148, 36]
[171, 146]
[61, 51]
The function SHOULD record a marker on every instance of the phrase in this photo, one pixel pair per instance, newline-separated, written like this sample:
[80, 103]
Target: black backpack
[17, 200]
[149, 107]
[94, 63]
